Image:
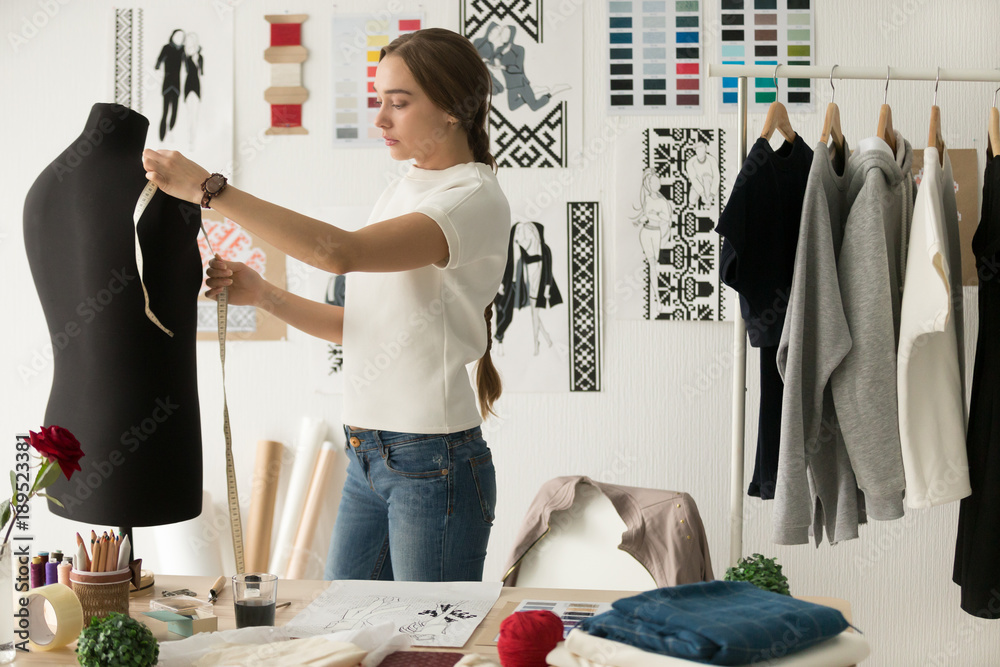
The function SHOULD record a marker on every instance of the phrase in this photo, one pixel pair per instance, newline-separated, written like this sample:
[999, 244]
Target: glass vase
[7, 650]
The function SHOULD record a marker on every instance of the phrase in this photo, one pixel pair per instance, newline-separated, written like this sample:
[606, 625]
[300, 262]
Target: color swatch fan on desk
[767, 32]
[654, 56]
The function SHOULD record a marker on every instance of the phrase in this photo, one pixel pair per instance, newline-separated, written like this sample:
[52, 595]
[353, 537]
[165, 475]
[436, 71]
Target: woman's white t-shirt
[408, 335]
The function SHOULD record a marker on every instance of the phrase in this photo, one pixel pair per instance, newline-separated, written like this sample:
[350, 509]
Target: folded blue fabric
[717, 622]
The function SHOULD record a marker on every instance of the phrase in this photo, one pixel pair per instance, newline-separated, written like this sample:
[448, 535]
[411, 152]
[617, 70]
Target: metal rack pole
[842, 72]
[739, 377]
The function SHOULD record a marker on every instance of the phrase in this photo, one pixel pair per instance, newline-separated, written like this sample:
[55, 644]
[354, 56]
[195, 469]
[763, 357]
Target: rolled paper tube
[311, 436]
[264, 489]
[37, 572]
[310, 513]
[51, 573]
[66, 612]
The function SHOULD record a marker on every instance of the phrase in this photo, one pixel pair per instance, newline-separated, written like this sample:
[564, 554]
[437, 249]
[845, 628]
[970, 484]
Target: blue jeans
[415, 507]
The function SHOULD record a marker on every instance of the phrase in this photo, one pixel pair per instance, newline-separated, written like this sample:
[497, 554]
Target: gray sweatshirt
[837, 355]
[815, 487]
[871, 267]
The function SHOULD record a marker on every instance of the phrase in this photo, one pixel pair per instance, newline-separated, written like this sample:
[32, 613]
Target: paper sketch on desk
[431, 614]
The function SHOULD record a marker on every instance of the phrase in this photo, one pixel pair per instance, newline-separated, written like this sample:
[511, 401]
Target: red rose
[57, 444]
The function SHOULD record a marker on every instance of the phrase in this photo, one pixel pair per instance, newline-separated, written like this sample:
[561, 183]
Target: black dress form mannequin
[126, 389]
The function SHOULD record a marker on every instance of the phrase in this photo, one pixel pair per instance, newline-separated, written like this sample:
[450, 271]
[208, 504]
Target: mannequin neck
[116, 126]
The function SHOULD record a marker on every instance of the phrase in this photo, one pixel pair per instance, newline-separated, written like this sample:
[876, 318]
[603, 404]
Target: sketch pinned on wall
[174, 65]
[528, 282]
[358, 40]
[670, 184]
[234, 243]
[546, 334]
[584, 295]
[537, 79]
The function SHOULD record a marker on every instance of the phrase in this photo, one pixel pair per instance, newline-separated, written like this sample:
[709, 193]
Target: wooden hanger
[831, 124]
[934, 137]
[885, 131]
[777, 117]
[994, 125]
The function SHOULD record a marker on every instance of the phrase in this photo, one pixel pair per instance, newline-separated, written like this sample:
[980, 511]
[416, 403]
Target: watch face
[215, 183]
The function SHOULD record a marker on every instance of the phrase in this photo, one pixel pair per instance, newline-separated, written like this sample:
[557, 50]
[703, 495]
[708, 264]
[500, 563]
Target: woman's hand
[175, 174]
[246, 287]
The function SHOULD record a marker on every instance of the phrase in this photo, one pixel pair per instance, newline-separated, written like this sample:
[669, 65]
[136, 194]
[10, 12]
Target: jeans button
[355, 442]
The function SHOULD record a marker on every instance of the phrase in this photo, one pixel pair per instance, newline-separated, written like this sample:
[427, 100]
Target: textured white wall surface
[663, 418]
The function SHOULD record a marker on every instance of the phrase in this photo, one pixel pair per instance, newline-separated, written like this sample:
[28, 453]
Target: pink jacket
[664, 530]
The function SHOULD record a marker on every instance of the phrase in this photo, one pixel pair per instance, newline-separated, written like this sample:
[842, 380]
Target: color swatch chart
[570, 613]
[357, 41]
[654, 56]
[767, 32]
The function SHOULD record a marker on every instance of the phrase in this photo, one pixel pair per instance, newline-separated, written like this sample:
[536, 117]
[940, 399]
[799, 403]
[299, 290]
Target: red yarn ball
[526, 637]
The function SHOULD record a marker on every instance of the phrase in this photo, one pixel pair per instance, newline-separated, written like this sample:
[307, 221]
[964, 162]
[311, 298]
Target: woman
[420, 492]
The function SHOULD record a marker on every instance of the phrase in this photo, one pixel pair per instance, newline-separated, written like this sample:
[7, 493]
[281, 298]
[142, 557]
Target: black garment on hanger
[760, 229]
[122, 386]
[977, 550]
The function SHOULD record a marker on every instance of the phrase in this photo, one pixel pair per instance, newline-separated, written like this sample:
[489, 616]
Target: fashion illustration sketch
[527, 282]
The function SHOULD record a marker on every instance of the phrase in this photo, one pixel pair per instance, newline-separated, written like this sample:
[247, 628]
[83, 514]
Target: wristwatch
[212, 186]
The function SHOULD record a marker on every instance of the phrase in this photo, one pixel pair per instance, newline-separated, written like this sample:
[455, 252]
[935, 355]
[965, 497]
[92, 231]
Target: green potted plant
[762, 572]
[117, 639]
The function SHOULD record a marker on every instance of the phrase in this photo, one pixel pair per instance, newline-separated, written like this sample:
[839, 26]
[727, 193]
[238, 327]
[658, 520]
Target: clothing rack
[715, 70]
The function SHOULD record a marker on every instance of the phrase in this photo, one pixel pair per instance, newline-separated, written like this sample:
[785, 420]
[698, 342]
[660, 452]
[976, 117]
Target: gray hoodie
[871, 267]
[815, 486]
[837, 355]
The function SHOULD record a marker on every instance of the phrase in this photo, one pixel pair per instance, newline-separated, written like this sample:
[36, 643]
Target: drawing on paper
[537, 80]
[442, 614]
[668, 255]
[528, 282]
[360, 38]
[167, 56]
[585, 296]
[335, 297]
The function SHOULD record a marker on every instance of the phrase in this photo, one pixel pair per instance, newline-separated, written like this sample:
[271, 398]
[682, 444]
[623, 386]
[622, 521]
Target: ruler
[235, 522]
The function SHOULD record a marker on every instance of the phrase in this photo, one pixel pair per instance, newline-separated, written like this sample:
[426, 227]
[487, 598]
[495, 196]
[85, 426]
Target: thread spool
[57, 556]
[51, 572]
[64, 570]
[37, 572]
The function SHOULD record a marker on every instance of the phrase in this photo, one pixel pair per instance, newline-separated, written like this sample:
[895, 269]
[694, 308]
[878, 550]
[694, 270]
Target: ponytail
[476, 130]
[487, 378]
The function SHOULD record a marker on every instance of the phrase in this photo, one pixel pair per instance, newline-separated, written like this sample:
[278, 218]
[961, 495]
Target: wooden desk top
[301, 592]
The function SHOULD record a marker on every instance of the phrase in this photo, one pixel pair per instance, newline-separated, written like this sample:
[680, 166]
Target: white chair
[581, 550]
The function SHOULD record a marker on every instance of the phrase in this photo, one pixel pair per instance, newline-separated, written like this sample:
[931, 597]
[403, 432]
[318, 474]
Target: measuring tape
[235, 522]
[222, 312]
[144, 198]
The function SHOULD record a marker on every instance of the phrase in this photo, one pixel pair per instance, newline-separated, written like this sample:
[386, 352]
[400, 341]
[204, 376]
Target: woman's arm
[248, 288]
[407, 242]
[316, 319]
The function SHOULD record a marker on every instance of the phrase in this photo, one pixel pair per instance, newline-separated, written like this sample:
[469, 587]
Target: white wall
[663, 419]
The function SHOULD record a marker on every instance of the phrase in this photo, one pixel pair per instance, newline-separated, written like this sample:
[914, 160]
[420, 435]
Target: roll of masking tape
[66, 617]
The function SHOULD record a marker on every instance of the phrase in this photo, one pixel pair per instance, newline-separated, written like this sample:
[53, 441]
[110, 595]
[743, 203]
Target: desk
[301, 592]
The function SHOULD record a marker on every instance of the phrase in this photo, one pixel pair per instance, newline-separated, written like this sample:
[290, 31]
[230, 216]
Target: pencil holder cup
[101, 593]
